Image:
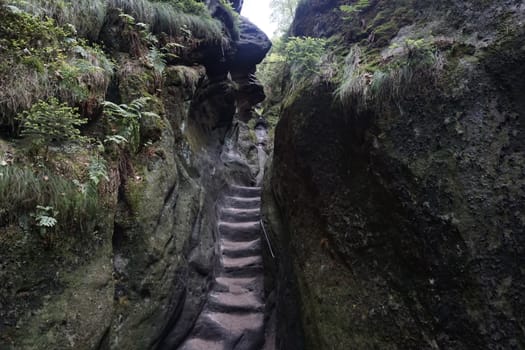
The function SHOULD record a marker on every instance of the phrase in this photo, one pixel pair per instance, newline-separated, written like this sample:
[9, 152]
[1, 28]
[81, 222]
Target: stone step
[233, 316]
[240, 231]
[241, 263]
[239, 249]
[244, 191]
[203, 344]
[238, 285]
[242, 202]
[240, 215]
[228, 326]
[235, 303]
[248, 271]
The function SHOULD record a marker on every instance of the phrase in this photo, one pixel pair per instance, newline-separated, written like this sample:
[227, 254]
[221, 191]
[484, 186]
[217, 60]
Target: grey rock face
[252, 46]
[404, 226]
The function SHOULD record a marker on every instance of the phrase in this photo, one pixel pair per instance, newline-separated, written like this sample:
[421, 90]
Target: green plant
[271, 70]
[127, 119]
[97, 170]
[170, 17]
[45, 219]
[94, 68]
[22, 189]
[86, 17]
[39, 60]
[116, 139]
[364, 85]
[158, 62]
[51, 121]
[303, 54]
[352, 83]
[136, 34]
[351, 10]
[188, 6]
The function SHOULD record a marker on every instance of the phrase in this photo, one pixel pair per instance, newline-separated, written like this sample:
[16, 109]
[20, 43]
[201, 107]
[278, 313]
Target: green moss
[183, 76]
[134, 194]
[460, 49]
[136, 83]
[35, 63]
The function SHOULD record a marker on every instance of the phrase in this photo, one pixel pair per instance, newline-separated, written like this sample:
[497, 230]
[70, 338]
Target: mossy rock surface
[393, 212]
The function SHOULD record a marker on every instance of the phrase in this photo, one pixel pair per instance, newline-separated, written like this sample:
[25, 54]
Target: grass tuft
[22, 189]
[374, 86]
[163, 17]
[88, 16]
[41, 60]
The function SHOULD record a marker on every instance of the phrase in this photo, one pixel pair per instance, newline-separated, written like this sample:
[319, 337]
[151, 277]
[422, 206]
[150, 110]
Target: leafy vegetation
[373, 86]
[41, 45]
[350, 10]
[45, 219]
[272, 69]
[52, 82]
[40, 60]
[51, 121]
[25, 194]
[372, 74]
[127, 121]
[301, 56]
[304, 55]
[188, 6]
[158, 62]
[88, 16]
[164, 17]
[97, 171]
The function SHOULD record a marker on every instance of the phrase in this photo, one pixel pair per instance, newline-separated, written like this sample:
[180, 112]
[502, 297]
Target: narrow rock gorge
[170, 179]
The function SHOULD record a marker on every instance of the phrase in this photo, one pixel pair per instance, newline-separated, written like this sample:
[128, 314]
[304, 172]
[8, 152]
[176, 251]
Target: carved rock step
[243, 202]
[240, 231]
[240, 215]
[203, 344]
[236, 249]
[231, 264]
[248, 271]
[229, 326]
[235, 303]
[238, 285]
[233, 317]
[243, 191]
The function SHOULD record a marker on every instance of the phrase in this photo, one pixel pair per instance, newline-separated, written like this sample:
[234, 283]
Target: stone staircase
[233, 316]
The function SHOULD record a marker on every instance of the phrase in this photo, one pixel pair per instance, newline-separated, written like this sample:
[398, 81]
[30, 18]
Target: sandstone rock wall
[403, 224]
[139, 280]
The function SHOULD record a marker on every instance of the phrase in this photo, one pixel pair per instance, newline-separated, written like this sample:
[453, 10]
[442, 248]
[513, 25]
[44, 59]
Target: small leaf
[45, 221]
